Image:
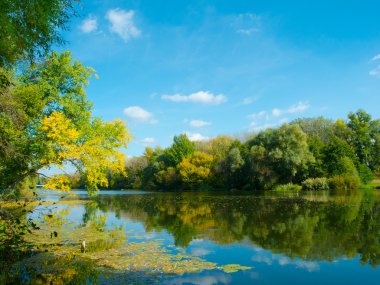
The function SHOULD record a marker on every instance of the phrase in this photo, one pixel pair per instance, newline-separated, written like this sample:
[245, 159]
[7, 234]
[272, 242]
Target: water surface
[287, 239]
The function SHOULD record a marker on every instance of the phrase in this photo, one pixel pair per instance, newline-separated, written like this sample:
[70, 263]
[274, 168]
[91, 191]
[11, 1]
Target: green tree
[334, 152]
[361, 138]
[284, 151]
[182, 147]
[46, 120]
[30, 28]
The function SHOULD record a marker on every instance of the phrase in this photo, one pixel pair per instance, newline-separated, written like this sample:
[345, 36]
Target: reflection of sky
[267, 267]
[210, 279]
[268, 258]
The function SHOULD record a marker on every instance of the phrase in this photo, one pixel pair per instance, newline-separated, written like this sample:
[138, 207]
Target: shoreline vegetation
[308, 154]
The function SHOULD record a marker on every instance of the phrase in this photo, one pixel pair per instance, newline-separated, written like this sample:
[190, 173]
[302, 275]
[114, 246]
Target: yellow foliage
[196, 169]
[94, 149]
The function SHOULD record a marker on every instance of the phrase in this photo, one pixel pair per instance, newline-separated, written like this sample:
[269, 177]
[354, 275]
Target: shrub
[287, 187]
[344, 182]
[315, 184]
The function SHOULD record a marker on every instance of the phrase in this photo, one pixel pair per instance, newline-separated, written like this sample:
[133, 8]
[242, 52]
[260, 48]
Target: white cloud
[248, 100]
[122, 23]
[196, 136]
[90, 24]
[298, 108]
[203, 97]
[376, 57]
[148, 141]
[375, 72]
[198, 123]
[139, 114]
[258, 115]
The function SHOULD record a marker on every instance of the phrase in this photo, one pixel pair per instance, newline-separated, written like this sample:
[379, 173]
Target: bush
[344, 182]
[315, 184]
[287, 187]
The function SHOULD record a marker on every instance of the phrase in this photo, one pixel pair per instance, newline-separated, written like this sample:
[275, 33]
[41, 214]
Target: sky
[207, 68]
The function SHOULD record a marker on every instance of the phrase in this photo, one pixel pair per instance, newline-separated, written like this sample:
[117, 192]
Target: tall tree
[30, 28]
[360, 125]
[46, 120]
[285, 150]
[182, 147]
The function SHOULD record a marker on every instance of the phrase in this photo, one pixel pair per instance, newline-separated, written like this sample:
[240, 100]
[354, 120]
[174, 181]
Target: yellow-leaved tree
[47, 121]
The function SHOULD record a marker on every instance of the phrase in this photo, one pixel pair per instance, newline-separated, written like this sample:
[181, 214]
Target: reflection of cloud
[262, 259]
[270, 259]
[308, 265]
[200, 251]
[202, 280]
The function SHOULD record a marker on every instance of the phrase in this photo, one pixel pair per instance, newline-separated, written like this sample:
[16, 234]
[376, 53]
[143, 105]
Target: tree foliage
[290, 154]
[29, 28]
[46, 120]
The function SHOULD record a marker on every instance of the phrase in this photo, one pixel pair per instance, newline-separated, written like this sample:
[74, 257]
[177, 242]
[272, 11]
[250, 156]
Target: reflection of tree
[310, 228]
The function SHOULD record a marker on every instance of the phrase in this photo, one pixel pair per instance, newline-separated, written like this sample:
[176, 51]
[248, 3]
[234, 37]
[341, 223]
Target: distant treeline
[316, 153]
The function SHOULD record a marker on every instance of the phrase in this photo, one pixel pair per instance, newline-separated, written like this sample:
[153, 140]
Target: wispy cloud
[298, 108]
[376, 57]
[122, 23]
[375, 72]
[139, 114]
[198, 123]
[247, 31]
[258, 115]
[257, 127]
[248, 100]
[246, 24]
[90, 24]
[202, 97]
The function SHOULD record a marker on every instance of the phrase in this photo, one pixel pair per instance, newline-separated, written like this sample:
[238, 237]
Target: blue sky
[207, 68]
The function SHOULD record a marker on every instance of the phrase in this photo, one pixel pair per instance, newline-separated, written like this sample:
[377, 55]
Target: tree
[182, 147]
[230, 168]
[29, 28]
[217, 146]
[360, 125]
[195, 170]
[46, 120]
[317, 127]
[334, 152]
[285, 150]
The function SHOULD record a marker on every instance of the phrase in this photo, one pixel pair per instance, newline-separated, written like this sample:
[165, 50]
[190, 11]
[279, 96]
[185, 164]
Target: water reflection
[313, 227]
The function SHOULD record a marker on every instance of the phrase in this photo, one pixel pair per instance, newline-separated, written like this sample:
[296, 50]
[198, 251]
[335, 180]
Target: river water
[284, 238]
